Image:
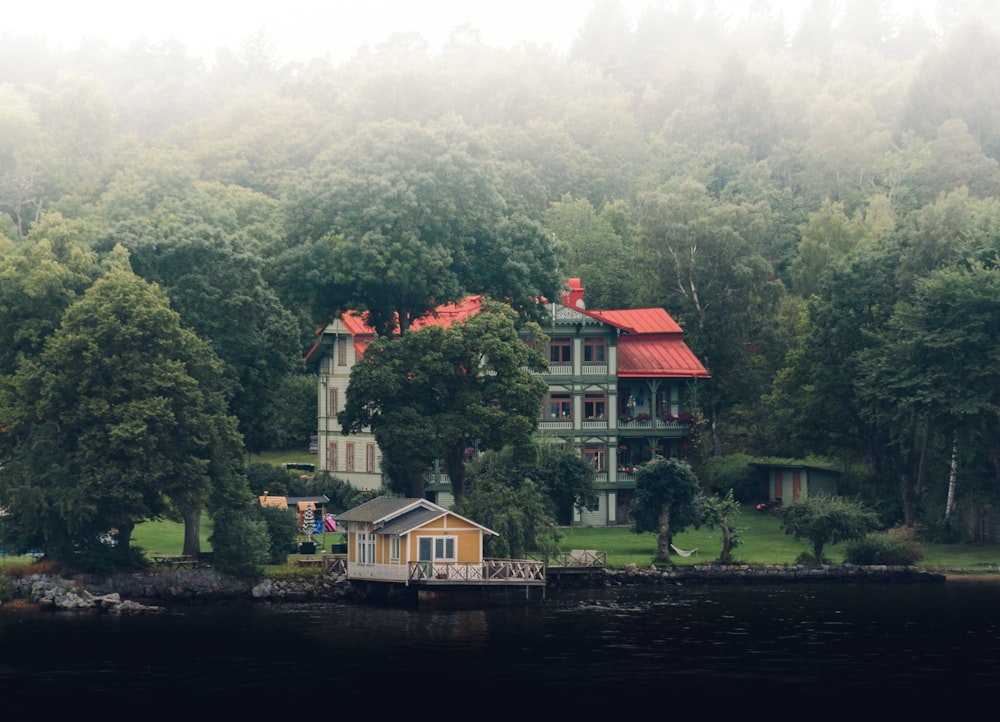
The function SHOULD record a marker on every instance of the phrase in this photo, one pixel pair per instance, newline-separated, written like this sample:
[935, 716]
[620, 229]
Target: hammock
[684, 552]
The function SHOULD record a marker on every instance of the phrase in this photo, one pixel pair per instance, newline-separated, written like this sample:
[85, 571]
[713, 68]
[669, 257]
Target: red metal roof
[639, 320]
[657, 355]
[651, 343]
[444, 316]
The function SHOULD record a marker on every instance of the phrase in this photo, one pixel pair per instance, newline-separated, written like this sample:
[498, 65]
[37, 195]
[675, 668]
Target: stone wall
[147, 591]
[741, 574]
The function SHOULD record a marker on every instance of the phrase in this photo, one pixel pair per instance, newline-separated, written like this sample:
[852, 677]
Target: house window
[331, 461]
[561, 350]
[559, 406]
[365, 548]
[444, 549]
[394, 548]
[342, 350]
[332, 408]
[324, 365]
[349, 457]
[595, 405]
[597, 456]
[595, 350]
[370, 458]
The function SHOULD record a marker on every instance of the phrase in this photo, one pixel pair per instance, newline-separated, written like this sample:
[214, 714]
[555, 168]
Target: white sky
[302, 29]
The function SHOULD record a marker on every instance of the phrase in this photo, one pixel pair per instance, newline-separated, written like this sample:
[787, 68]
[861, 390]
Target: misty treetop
[799, 199]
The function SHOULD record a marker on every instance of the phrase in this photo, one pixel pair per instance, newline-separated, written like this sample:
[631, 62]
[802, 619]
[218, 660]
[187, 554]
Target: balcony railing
[490, 570]
[650, 423]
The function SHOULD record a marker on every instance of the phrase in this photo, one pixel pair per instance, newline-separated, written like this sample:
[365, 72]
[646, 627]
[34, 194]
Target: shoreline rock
[146, 592]
[744, 574]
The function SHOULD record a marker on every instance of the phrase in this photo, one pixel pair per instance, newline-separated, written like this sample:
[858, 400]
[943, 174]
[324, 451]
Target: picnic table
[175, 561]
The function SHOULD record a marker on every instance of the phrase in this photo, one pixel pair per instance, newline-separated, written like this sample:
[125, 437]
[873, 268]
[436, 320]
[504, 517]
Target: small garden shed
[783, 483]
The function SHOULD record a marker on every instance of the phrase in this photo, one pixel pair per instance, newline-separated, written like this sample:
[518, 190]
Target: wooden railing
[579, 558]
[491, 570]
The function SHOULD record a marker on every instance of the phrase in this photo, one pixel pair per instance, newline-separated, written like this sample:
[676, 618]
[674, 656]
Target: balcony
[490, 571]
[645, 422]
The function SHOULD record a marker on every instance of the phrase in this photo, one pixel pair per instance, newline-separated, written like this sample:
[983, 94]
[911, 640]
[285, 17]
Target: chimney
[573, 296]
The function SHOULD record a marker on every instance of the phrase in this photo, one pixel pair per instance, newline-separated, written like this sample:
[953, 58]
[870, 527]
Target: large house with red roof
[621, 388]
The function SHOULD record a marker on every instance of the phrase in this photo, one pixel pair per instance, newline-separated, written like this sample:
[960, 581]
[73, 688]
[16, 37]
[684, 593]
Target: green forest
[816, 207]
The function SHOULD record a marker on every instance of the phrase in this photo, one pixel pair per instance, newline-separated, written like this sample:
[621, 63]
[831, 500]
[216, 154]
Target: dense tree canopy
[120, 419]
[434, 393]
[798, 198]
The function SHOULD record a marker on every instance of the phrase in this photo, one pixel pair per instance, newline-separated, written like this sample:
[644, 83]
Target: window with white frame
[365, 548]
[596, 455]
[595, 405]
[394, 548]
[559, 405]
[444, 549]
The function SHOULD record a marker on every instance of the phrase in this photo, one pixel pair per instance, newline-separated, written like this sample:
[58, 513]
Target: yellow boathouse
[415, 543]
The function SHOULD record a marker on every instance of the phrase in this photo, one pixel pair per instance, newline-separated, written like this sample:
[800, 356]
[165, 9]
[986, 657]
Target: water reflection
[843, 650]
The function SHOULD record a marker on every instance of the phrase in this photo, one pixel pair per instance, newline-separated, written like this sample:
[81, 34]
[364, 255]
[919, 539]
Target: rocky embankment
[148, 592]
[743, 574]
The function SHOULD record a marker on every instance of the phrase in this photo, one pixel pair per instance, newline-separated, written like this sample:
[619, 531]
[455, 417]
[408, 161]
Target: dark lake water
[852, 652]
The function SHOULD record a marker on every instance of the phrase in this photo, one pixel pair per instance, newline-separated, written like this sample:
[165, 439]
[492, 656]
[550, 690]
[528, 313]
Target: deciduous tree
[119, 420]
[824, 519]
[666, 501]
[436, 392]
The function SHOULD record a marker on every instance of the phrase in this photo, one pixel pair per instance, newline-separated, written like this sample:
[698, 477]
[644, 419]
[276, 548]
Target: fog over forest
[817, 208]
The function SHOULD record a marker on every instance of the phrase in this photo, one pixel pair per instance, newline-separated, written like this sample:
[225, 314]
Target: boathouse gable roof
[393, 515]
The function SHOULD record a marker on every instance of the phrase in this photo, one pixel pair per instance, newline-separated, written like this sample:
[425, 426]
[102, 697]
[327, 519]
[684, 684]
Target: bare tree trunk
[912, 476]
[454, 462]
[417, 486]
[192, 532]
[949, 507]
[663, 537]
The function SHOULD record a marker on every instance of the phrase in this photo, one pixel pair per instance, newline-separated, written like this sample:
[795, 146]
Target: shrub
[273, 479]
[8, 589]
[282, 527]
[882, 549]
[945, 531]
[97, 556]
[240, 542]
[734, 472]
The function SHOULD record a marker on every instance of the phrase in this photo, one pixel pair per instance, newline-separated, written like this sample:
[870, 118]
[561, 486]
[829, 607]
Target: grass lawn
[763, 543]
[164, 538]
[289, 456]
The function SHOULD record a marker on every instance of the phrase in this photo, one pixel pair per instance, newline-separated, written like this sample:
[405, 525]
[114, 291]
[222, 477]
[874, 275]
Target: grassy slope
[763, 543]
